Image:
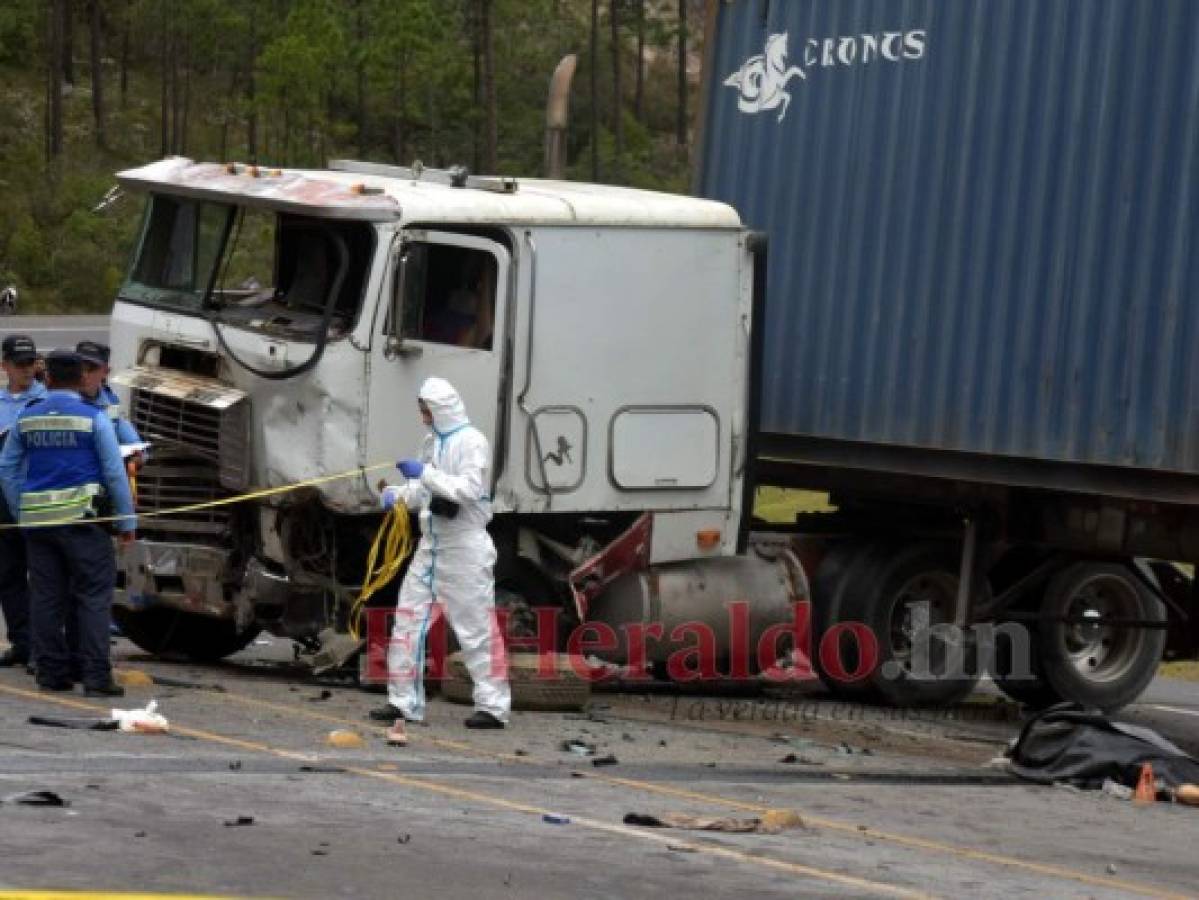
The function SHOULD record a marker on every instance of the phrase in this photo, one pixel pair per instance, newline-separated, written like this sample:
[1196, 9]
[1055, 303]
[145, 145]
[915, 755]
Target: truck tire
[1099, 666]
[165, 632]
[844, 569]
[883, 598]
[1034, 692]
[567, 691]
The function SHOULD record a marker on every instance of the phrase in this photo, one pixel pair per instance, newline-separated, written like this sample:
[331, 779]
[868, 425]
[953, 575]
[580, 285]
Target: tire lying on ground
[565, 691]
[888, 595]
[1094, 664]
[171, 631]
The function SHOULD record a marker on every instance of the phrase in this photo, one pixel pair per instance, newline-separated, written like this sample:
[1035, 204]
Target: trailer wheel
[171, 631]
[1093, 664]
[844, 569]
[1029, 687]
[888, 598]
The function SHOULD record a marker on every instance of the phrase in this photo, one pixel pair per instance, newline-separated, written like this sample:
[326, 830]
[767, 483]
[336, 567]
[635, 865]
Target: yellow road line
[431, 786]
[14, 894]
[918, 843]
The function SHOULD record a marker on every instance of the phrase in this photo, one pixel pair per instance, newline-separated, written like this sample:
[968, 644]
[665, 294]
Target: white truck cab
[275, 326]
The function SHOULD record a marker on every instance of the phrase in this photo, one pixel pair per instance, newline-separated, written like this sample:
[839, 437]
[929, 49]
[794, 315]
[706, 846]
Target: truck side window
[450, 296]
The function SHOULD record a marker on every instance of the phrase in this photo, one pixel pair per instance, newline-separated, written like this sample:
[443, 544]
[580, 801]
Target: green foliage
[19, 20]
[386, 80]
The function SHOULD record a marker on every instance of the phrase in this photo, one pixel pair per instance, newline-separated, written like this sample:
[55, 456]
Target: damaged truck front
[273, 331]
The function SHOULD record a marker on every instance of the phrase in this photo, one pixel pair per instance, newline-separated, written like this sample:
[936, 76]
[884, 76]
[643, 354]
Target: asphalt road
[892, 805]
[56, 332]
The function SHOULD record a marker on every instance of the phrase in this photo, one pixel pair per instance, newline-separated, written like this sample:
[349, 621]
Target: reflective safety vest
[64, 475]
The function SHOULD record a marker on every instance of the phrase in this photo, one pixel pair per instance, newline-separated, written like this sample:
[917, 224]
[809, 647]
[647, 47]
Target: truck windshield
[268, 271]
[180, 242]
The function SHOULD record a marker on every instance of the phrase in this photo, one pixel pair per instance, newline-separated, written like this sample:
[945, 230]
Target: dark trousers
[71, 568]
[14, 583]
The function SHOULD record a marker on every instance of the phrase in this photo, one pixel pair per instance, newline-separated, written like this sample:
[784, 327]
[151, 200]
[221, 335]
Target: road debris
[323, 770]
[239, 822]
[403, 839]
[1188, 794]
[132, 678]
[321, 697]
[609, 760]
[164, 681]
[1114, 789]
[142, 721]
[771, 822]
[86, 724]
[555, 819]
[35, 798]
[578, 747]
[344, 739]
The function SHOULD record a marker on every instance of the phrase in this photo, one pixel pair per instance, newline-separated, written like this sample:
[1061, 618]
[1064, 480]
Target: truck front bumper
[189, 577]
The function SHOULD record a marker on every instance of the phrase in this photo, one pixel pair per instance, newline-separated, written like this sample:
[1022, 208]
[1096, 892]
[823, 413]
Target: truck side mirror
[396, 345]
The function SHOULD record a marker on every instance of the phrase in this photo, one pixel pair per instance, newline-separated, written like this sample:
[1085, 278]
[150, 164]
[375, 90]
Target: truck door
[445, 317]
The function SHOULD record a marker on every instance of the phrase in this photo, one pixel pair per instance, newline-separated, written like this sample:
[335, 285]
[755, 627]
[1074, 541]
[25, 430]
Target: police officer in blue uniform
[97, 392]
[60, 460]
[19, 359]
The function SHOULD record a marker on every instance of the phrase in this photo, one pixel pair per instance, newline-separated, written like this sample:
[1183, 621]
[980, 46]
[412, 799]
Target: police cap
[18, 348]
[93, 352]
[64, 365]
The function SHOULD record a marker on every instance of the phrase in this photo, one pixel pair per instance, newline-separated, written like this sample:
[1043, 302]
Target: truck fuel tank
[709, 604]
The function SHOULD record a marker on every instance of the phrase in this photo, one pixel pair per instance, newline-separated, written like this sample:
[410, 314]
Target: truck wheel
[171, 631]
[842, 572]
[1029, 688]
[1098, 665]
[888, 599]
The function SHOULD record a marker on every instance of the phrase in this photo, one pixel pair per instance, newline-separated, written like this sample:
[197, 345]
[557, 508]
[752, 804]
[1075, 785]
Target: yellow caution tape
[210, 504]
[394, 536]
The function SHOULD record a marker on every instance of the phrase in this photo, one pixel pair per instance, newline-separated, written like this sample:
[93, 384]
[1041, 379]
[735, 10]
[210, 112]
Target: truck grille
[216, 435]
[169, 481]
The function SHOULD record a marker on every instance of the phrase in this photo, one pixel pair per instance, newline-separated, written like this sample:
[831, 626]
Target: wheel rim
[1098, 652]
[937, 590]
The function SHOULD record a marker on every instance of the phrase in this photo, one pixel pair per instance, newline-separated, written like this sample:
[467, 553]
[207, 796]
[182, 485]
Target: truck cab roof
[373, 192]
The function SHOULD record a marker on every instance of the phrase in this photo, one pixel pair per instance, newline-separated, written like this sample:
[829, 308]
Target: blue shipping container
[982, 218]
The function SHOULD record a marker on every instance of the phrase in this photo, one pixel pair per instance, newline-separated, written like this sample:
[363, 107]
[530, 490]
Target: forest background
[90, 87]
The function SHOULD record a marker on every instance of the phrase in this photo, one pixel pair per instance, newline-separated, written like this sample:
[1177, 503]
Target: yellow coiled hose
[392, 545]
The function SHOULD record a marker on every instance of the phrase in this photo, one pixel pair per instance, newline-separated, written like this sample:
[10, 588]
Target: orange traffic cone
[1146, 791]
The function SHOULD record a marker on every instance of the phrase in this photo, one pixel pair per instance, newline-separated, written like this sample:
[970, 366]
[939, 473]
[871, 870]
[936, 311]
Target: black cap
[93, 352]
[64, 365]
[18, 348]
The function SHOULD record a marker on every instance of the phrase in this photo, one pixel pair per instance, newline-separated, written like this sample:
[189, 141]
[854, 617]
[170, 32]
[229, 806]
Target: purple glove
[390, 496]
[411, 468]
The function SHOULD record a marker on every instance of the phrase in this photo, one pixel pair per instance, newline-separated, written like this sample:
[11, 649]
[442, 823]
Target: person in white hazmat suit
[452, 564]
